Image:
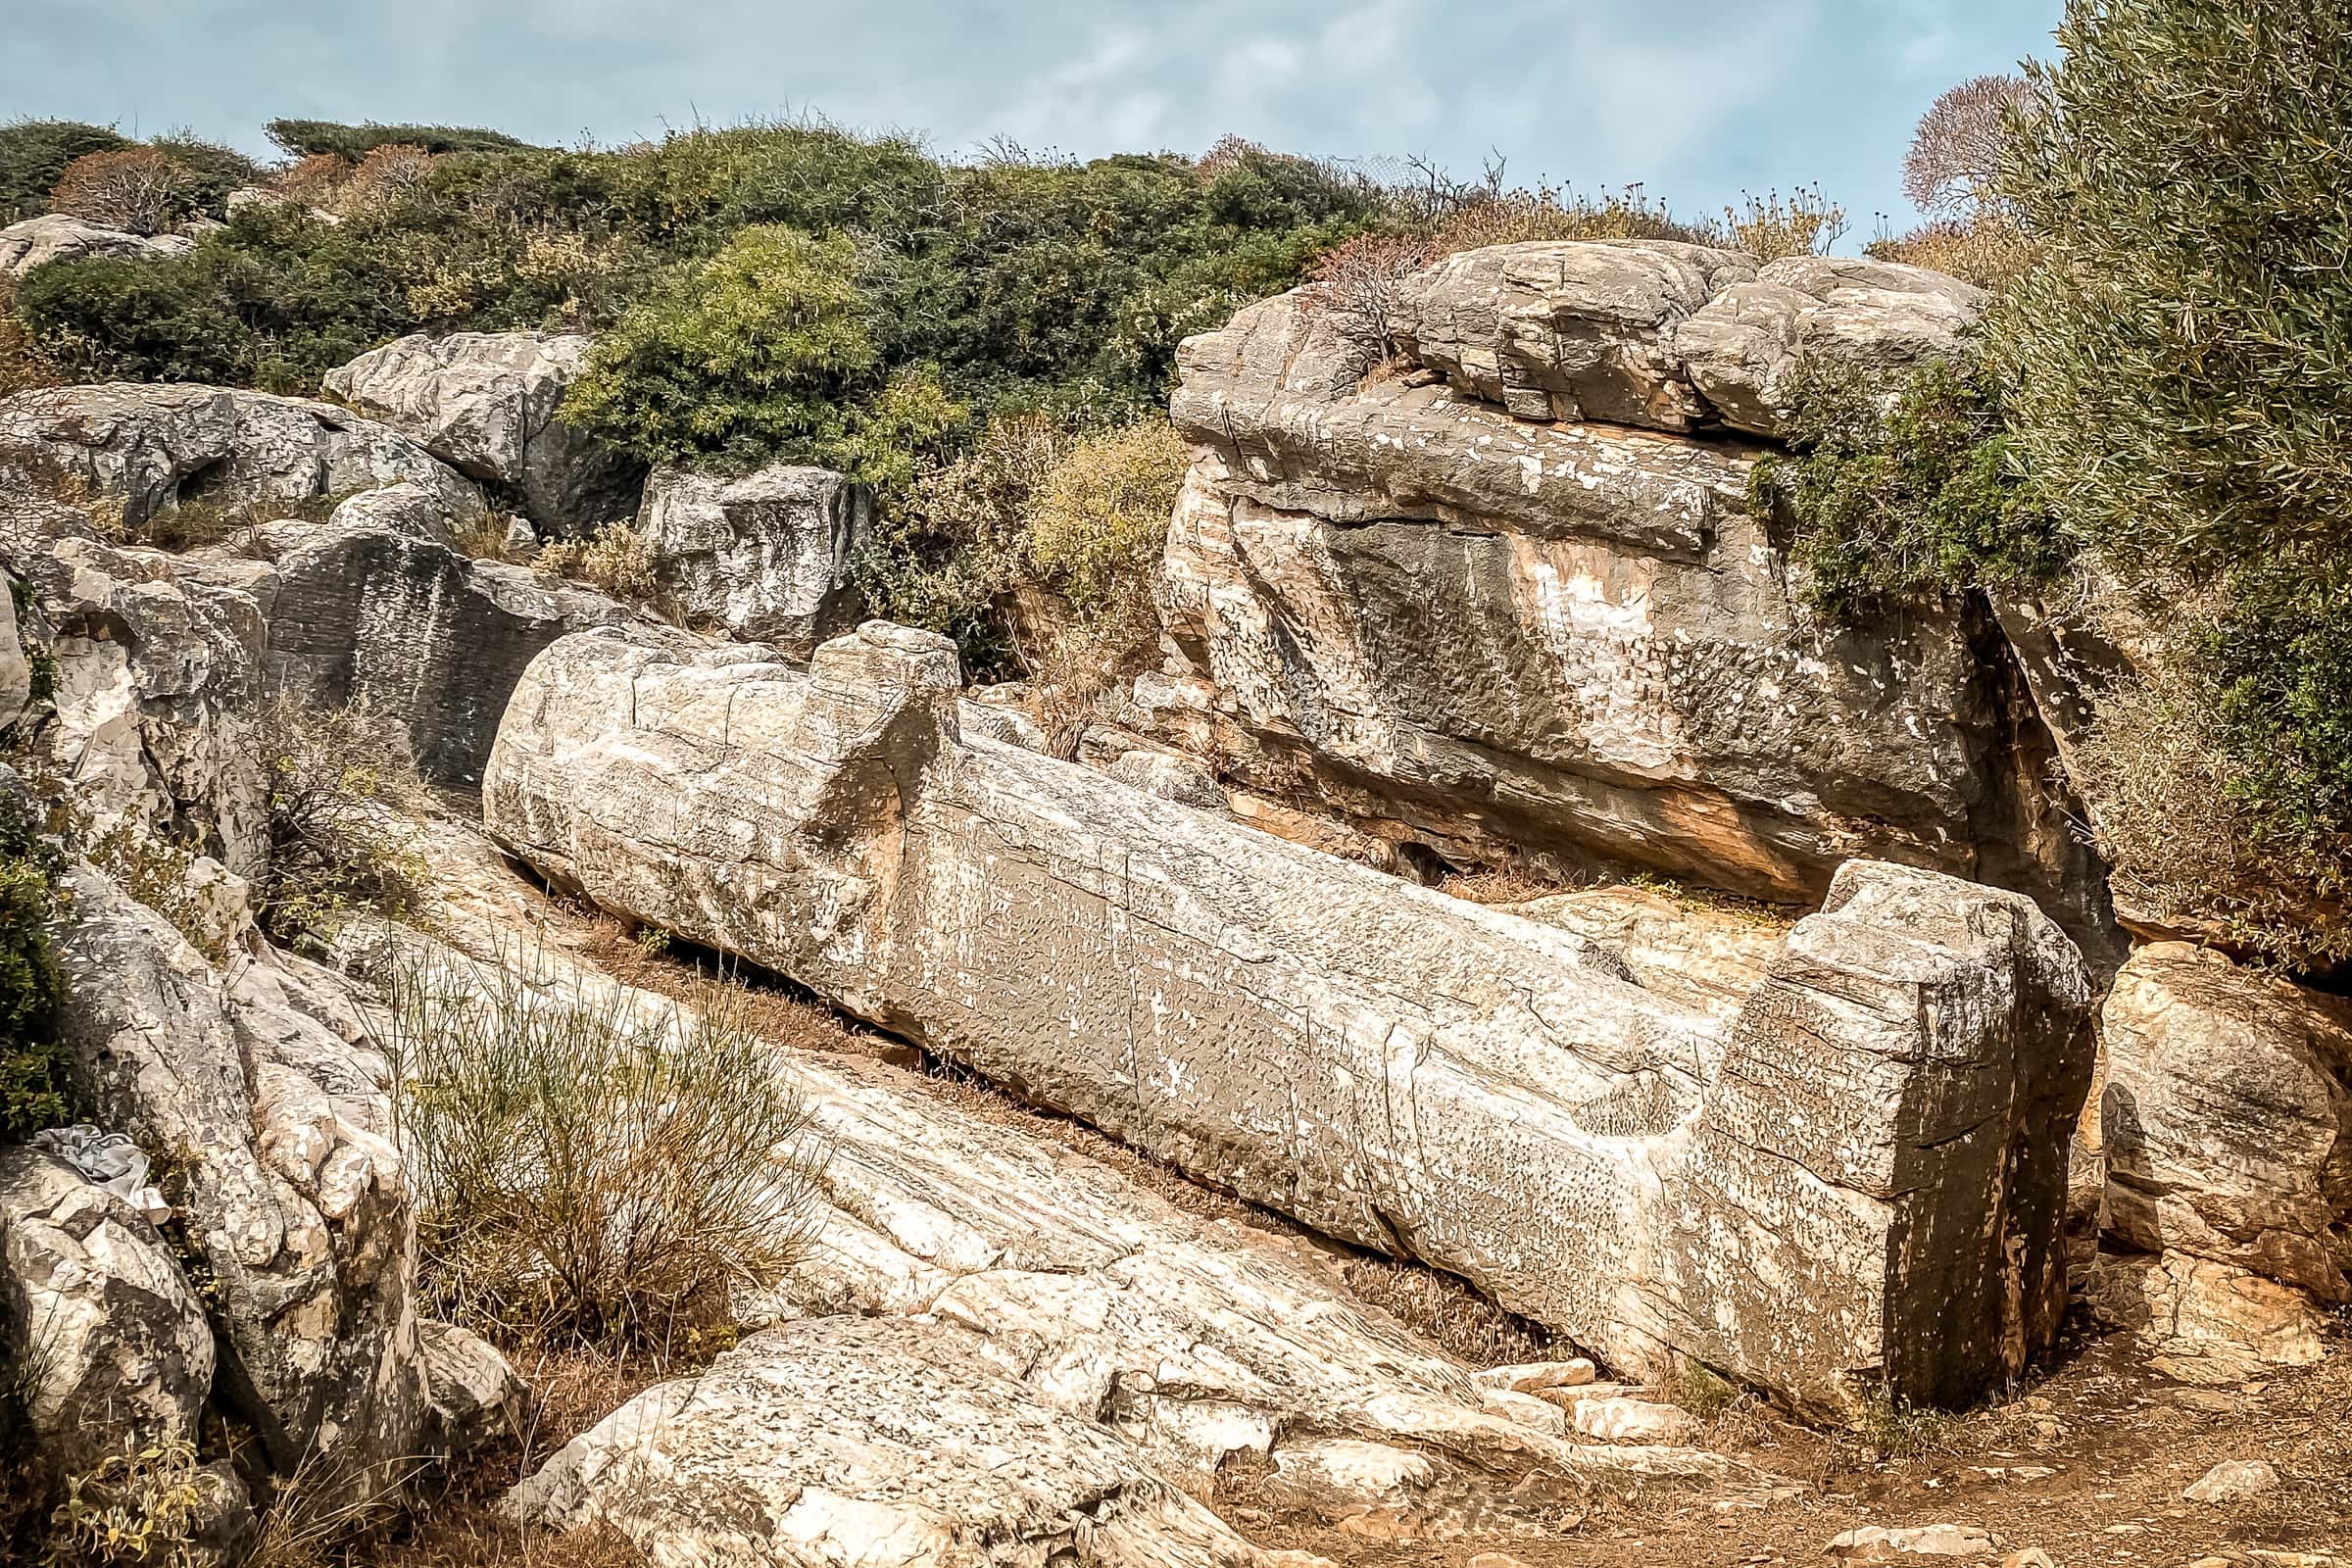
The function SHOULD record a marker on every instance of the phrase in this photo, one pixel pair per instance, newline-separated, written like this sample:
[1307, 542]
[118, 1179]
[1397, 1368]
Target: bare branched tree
[1361, 276]
[1956, 151]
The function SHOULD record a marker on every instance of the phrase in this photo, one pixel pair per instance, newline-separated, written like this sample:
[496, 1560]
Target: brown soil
[2120, 1443]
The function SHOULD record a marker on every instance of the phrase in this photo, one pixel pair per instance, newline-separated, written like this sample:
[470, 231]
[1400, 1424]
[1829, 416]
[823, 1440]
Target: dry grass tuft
[1449, 1313]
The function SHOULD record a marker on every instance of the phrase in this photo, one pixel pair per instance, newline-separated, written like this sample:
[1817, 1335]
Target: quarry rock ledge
[1855, 1179]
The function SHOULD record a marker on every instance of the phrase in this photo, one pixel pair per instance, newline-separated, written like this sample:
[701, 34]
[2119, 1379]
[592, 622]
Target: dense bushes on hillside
[34, 153]
[307, 139]
[33, 1088]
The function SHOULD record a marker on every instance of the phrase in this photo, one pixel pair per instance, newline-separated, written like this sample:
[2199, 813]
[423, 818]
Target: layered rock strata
[1857, 1179]
[2228, 1129]
[1506, 593]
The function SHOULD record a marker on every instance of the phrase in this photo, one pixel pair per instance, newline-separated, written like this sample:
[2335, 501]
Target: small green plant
[141, 1508]
[589, 1173]
[154, 869]
[1894, 1431]
[1701, 1392]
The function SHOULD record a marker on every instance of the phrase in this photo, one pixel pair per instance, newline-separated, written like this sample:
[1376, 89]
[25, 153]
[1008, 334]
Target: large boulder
[486, 403]
[117, 1354]
[764, 555]
[1858, 1178]
[56, 237]
[428, 637]
[2227, 1118]
[1397, 603]
[1568, 329]
[155, 448]
[163, 662]
[1743, 350]
[260, 1089]
[1027, 1274]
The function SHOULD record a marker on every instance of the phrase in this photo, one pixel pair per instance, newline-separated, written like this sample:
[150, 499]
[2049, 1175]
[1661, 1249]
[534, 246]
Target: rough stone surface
[1878, 1543]
[154, 448]
[2204, 1322]
[55, 237]
[764, 555]
[1740, 350]
[2232, 1481]
[486, 403]
[16, 672]
[1568, 329]
[122, 1353]
[1707, 956]
[416, 630]
[263, 1080]
[1026, 1273]
[163, 662]
[1389, 1065]
[471, 1393]
[403, 507]
[771, 1458]
[2227, 1118]
[1392, 602]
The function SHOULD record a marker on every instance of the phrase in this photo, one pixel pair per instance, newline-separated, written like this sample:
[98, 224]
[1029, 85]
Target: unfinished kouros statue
[1856, 1179]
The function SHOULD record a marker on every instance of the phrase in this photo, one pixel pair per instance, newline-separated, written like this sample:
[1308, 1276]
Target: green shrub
[213, 170]
[766, 351]
[588, 1173]
[1902, 488]
[306, 138]
[33, 153]
[35, 1091]
[2176, 363]
[1097, 523]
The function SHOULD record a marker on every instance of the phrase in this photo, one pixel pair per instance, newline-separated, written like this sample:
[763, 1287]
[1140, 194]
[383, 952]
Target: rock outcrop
[1743, 351]
[118, 1339]
[262, 1085]
[1858, 1179]
[486, 404]
[55, 237]
[766, 555]
[1390, 599]
[163, 662]
[2228, 1130]
[156, 448]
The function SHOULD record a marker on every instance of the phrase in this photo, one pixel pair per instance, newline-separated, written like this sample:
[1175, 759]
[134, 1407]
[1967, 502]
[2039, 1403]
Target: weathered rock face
[154, 448]
[764, 555]
[1858, 1178]
[415, 629]
[263, 1084]
[402, 508]
[486, 404]
[2229, 1118]
[1568, 329]
[1742, 350]
[55, 237]
[120, 1352]
[1452, 626]
[162, 660]
[1708, 957]
[769, 1457]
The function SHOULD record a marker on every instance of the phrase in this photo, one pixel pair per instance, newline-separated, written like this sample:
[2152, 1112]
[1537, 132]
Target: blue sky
[1696, 99]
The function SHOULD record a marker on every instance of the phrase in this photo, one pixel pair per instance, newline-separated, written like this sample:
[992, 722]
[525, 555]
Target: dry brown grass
[1503, 884]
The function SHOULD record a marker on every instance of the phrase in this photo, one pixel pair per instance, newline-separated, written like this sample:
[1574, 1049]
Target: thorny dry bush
[589, 1173]
[335, 777]
[136, 189]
